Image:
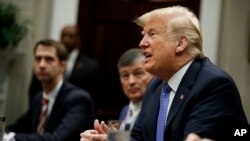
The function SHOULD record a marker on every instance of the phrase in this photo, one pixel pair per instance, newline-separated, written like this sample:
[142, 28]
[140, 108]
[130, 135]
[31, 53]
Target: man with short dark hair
[61, 111]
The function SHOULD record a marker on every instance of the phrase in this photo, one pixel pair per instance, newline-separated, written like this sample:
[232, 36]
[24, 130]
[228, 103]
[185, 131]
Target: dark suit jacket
[206, 102]
[123, 113]
[71, 114]
[85, 75]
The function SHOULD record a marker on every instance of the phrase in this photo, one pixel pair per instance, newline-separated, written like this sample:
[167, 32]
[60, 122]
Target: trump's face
[158, 46]
[134, 80]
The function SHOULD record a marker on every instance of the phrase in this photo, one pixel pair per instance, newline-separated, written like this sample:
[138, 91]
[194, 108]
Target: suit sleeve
[78, 117]
[21, 124]
[24, 123]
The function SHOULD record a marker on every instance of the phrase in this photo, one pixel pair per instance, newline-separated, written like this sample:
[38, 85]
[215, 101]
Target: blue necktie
[162, 115]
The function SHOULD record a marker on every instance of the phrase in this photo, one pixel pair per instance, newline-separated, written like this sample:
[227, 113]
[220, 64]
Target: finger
[101, 130]
[193, 137]
[99, 137]
[96, 124]
[98, 127]
[88, 134]
[83, 139]
[104, 127]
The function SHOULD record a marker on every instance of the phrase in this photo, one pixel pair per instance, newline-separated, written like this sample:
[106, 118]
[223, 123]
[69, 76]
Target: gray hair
[180, 22]
[130, 56]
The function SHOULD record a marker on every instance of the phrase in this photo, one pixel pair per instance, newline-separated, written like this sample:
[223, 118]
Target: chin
[148, 68]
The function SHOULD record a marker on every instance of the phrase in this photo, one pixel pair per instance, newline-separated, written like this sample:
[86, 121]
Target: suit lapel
[37, 112]
[183, 89]
[153, 102]
[55, 110]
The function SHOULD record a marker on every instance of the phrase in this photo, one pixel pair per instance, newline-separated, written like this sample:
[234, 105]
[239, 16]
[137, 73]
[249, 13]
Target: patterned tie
[162, 112]
[43, 116]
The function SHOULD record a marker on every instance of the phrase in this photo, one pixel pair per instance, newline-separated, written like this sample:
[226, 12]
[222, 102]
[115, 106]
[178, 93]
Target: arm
[78, 116]
[25, 122]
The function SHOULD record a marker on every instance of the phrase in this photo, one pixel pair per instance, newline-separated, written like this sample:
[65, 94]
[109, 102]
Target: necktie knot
[166, 88]
[45, 101]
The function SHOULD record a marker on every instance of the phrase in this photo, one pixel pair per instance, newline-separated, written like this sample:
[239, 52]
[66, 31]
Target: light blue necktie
[162, 115]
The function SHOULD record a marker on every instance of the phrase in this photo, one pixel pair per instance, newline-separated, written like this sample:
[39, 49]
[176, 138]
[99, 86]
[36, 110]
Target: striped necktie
[43, 116]
[162, 115]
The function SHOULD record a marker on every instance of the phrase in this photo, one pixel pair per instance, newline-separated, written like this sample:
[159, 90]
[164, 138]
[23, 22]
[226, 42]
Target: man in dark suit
[61, 111]
[202, 98]
[81, 71]
[134, 80]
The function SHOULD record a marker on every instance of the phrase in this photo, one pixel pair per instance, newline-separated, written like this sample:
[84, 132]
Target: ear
[63, 65]
[181, 45]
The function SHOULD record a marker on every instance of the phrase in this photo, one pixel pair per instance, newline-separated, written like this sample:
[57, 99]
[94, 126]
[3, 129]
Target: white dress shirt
[175, 81]
[132, 113]
[71, 62]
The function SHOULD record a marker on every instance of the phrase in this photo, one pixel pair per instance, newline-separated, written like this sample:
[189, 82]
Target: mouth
[147, 56]
[42, 74]
[134, 90]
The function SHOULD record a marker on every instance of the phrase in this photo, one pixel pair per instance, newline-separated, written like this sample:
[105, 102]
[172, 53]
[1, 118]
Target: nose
[42, 63]
[144, 43]
[131, 79]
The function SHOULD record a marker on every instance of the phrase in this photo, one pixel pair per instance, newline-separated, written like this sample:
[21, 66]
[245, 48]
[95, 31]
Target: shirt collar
[54, 92]
[73, 54]
[175, 80]
[135, 106]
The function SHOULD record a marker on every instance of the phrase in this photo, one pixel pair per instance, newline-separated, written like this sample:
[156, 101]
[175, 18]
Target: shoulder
[123, 112]
[154, 83]
[211, 72]
[124, 109]
[154, 87]
[72, 92]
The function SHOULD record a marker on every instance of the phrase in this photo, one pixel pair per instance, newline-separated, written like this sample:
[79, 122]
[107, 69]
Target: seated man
[61, 110]
[134, 80]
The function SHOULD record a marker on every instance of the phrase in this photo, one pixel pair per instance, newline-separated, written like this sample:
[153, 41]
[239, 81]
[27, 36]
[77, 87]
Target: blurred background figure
[60, 111]
[134, 80]
[81, 70]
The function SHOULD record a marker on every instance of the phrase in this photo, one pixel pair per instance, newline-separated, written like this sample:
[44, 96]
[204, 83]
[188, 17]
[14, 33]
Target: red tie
[43, 116]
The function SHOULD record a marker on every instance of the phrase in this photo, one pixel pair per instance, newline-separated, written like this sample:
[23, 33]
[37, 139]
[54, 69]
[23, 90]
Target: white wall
[210, 12]
[64, 12]
[47, 18]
